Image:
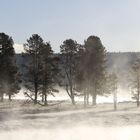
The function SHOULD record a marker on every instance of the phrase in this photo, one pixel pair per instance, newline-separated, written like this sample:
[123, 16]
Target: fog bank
[78, 133]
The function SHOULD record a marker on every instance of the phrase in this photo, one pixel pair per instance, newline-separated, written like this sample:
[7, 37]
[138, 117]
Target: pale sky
[116, 22]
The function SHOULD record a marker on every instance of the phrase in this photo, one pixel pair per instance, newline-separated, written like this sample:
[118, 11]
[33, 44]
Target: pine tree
[49, 71]
[136, 81]
[33, 66]
[9, 75]
[41, 69]
[95, 59]
[80, 77]
[69, 50]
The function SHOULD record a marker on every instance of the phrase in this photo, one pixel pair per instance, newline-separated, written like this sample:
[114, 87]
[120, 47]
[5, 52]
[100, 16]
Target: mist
[67, 122]
[83, 92]
[82, 133]
[73, 123]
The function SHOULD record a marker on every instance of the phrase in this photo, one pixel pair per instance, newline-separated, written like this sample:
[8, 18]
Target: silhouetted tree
[136, 81]
[81, 79]
[49, 71]
[33, 67]
[9, 75]
[95, 59]
[69, 50]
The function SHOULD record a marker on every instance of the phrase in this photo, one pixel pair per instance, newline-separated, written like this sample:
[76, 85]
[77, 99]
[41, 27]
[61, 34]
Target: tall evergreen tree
[41, 69]
[49, 71]
[81, 79]
[136, 81]
[95, 59]
[33, 66]
[69, 50]
[9, 76]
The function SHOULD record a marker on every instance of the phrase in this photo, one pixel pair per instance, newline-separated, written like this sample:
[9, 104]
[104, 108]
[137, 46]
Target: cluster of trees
[71, 68]
[41, 69]
[84, 68]
[80, 69]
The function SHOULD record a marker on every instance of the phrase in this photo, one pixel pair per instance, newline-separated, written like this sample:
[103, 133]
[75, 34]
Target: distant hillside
[121, 64]
[116, 62]
[119, 61]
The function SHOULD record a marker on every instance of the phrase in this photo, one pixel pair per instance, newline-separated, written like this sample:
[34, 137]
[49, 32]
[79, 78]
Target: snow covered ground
[19, 121]
[122, 95]
[76, 133]
[70, 123]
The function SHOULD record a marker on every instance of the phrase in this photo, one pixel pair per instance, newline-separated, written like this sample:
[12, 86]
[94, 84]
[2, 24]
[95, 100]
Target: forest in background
[84, 70]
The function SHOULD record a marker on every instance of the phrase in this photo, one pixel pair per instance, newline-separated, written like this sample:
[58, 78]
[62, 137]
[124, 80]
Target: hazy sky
[116, 22]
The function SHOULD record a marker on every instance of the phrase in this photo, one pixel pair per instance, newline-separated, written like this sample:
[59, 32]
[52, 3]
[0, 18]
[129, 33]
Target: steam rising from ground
[78, 133]
[122, 95]
[96, 123]
[71, 123]
[100, 123]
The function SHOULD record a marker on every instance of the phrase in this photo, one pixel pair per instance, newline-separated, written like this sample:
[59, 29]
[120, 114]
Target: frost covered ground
[66, 122]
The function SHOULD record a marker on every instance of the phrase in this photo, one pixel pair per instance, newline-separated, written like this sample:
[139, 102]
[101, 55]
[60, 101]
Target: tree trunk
[42, 97]
[35, 101]
[115, 100]
[94, 96]
[10, 97]
[71, 92]
[2, 97]
[46, 101]
[87, 99]
[138, 103]
[72, 100]
[36, 77]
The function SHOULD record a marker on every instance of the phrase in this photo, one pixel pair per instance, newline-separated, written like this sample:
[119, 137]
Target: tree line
[79, 68]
